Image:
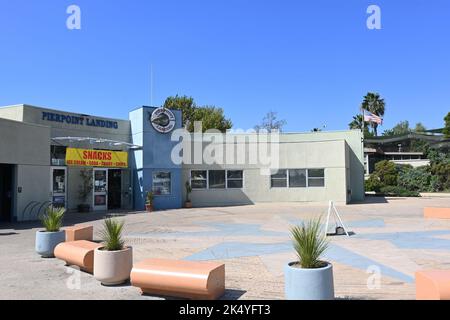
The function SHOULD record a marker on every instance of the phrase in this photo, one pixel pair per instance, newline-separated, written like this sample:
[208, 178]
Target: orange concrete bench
[79, 232]
[437, 213]
[433, 285]
[79, 253]
[185, 279]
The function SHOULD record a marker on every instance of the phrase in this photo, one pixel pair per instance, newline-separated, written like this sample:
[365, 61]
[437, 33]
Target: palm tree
[373, 103]
[357, 122]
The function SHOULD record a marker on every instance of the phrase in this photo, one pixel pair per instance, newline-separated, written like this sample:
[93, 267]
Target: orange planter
[437, 213]
[433, 285]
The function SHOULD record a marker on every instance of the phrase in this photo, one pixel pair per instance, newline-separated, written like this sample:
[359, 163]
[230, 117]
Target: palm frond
[52, 219]
[309, 243]
[111, 235]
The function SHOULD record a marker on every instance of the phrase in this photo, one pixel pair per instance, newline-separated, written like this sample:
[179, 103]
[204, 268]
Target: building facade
[87, 162]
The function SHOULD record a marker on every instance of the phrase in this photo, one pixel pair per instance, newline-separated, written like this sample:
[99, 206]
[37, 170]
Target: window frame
[206, 179]
[234, 179]
[207, 187]
[287, 179]
[170, 181]
[307, 178]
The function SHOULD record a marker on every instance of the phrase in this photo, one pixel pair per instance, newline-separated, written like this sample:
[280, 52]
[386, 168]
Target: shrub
[149, 198]
[386, 172]
[441, 176]
[111, 235]
[52, 219]
[416, 179]
[373, 183]
[309, 243]
[395, 191]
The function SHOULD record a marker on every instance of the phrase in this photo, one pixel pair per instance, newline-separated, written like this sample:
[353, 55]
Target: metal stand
[331, 207]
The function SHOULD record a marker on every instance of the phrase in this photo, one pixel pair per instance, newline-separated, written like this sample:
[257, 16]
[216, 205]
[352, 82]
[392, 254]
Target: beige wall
[336, 152]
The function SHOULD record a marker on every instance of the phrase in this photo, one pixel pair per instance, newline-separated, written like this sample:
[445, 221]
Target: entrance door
[114, 189]
[6, 192]
[100, 189]
[58, 186]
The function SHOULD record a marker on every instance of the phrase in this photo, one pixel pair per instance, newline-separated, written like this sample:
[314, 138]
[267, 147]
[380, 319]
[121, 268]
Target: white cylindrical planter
[47, 241]
[309, 284]
[113, 267]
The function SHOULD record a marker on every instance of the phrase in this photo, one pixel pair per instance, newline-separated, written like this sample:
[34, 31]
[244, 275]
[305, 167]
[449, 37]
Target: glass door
[100, 189]
[58, 187]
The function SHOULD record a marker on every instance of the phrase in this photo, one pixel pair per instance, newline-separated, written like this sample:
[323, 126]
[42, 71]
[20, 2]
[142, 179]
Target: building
[407, 149]
[76, 160]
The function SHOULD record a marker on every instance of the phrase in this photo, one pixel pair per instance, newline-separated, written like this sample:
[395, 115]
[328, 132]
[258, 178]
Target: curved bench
[436, 213]
[185, 279]
[433, 285]
[79, 232]
[79, 253]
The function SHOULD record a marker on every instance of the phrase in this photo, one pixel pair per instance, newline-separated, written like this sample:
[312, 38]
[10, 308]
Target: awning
[95, 143]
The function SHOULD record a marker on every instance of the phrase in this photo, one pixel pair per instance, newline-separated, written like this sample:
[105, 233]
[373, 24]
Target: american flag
[370, 117]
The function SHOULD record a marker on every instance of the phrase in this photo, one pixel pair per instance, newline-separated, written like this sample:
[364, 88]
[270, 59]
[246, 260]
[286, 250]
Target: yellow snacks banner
[96, 158]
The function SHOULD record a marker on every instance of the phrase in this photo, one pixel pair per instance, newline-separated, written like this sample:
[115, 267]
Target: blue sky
[311, 61]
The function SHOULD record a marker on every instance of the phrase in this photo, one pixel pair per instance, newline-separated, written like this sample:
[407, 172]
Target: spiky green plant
[309, 243]
[52, 219]
[111, 235]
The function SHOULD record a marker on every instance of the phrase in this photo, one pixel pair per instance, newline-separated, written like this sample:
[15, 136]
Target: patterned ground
[390, 241]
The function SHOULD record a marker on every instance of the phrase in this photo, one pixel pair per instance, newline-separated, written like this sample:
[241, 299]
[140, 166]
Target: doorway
[114, 189]
[6, 192]
[100, 189]
[58, 186]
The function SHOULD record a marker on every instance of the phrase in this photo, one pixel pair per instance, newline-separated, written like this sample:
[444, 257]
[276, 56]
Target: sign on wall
[163, 120]
[96, 158]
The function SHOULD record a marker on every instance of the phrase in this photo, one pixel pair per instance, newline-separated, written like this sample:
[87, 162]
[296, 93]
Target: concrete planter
[47, 241]
[149, 207]
[309, 284]
[113, 267]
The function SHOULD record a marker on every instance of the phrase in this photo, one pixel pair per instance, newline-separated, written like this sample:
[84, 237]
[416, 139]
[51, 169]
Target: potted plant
[188, 203]
[113, 261]
[309, 278]
[85, 190]
[48, 239]
[149, 202]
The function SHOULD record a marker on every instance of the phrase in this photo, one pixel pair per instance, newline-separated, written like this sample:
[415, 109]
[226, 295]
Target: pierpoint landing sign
[79, 120]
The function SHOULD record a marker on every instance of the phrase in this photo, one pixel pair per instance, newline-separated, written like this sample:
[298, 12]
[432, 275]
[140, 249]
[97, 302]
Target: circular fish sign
[163, 120]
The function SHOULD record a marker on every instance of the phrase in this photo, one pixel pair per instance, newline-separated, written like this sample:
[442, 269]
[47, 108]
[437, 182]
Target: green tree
[357, 123]
[446, 130]
[420, 128]
[375, 104]
[211, 117]
[399, 129]
[270, 123]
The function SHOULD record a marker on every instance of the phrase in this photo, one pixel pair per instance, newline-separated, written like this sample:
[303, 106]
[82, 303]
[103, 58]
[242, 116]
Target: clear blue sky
[311, 61]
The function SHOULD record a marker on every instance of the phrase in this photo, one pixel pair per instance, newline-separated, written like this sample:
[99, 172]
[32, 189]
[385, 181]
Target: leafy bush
[441, 176]
[395, 191]
[309, 243]
[373, 183]
[111, 235]
[416, 179]
[52, 219]
[386, 172]
[149, 198]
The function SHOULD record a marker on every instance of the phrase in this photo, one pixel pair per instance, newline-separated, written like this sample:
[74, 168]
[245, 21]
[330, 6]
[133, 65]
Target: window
[297, 178]
[216, 179]
[235, 179]
[278, 179]
[58, 155]
[316, 178]
[161, 183]
[199, 179]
